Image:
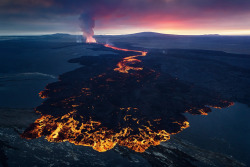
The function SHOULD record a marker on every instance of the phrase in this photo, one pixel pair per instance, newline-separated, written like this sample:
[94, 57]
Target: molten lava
[91, 133]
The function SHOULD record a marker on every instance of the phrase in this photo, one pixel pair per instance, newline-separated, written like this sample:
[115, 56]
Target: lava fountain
[90, 39]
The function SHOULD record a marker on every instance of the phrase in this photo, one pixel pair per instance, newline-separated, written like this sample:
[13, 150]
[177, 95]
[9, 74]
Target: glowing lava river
[123, 66]
[130, 104]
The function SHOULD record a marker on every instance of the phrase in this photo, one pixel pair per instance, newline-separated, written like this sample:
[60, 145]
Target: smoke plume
[87, 24]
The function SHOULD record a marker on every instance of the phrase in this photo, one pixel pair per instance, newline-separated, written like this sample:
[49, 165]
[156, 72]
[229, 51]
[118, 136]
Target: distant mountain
[211, 34]
[149, 34]
[57, 35]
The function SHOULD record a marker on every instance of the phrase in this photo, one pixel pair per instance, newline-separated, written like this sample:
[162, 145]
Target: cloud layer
[155, 14]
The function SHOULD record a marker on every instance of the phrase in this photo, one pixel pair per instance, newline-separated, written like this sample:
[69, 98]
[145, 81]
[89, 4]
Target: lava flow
[130, 106]
[124, 65]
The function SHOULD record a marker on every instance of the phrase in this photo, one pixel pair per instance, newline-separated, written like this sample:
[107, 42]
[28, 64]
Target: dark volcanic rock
[144, 105]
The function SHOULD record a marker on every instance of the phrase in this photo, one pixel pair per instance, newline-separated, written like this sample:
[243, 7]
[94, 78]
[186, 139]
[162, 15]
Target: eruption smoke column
[87, 24]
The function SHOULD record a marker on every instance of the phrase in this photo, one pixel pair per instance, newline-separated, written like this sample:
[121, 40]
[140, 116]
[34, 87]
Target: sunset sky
[187, 17]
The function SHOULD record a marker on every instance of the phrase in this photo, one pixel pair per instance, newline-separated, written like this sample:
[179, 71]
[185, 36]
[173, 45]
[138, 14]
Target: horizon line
[73, 34]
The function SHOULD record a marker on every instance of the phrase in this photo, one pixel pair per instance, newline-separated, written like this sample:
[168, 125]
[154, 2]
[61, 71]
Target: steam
[87, 24]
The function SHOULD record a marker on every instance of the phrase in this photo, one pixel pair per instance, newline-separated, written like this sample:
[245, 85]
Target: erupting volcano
[148, 82]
